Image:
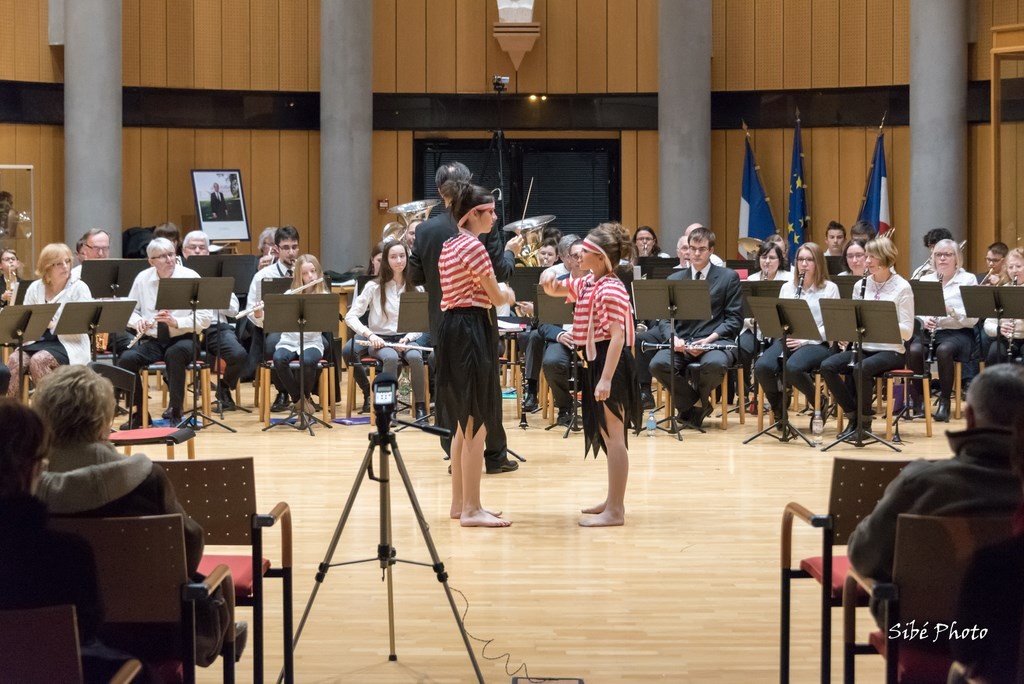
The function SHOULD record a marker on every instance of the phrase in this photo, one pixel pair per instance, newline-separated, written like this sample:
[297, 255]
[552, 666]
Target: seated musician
[882, 284]
[307, 271]
[93, 245]
[54, 286]
[995, 259]
[220, 339]
[1001, 329]
[930, 239]
[771, 257]
[809, 282]
[10, 265]
[951, 336]
[286, 240]
[166, 334]
[380, 299]
[721, 328]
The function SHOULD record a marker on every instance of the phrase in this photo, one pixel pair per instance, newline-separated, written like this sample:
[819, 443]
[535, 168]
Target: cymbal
[529, 224]
[413, 207]
[749, 244]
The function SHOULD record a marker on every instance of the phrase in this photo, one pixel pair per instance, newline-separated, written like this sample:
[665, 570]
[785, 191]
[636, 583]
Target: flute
[260, 304]
[139, 335]
[646, 346]
[396, 345]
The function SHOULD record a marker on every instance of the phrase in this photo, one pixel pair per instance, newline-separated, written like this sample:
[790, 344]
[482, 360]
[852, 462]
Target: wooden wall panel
[153, 171]
[647, 213]
[901, 41]
[51, 61]
[899, 186]
[735, 149]
[977, 52]
[207, 30]
[153, 43]
[628, 170]
[622, 46]
[131, 177]
[293, 52]
[852, 43]
[50, 183]
[774, 163]
[26, 151]
[209, 152]
[533, 72]
[979, 195]
[647, 46]
[26, 40]
[236, 149]
[384, 46]
[878, 42]
[592, 46]
[181, 156]
[264, 61]
[265, 183]
[719, 187]
[294, 184]
[385, 180]
[471, 47]
[411, 57]
[1009, 174]
[823, 177]
[853, 171]
[824, 46]
[313, 188]
[768, 38]
[561, 66]
[405, 165]
[130, 42]
[498, 61]
[440, 47]
[739, 45]
[719, 52]
[235, 41]
[8, 41]
[181, 49]
[796, 58]
[313, 36]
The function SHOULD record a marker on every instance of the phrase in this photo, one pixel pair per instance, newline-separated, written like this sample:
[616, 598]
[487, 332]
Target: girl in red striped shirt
[468, 390]
[603, 326]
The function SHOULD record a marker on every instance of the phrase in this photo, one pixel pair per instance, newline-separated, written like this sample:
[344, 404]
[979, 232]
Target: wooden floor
[686, 591]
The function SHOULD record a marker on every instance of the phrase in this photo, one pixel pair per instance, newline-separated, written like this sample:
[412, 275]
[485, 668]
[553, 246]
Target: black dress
[623, 399]
[467, 369]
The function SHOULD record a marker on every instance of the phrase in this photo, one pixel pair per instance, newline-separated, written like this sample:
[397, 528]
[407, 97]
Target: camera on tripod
[385, 390]
[500, 84]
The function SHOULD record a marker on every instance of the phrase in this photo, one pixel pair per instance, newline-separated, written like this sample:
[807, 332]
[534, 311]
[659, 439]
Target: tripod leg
[438, 566]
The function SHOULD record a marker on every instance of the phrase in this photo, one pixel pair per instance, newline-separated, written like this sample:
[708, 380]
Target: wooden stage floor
[686, 591]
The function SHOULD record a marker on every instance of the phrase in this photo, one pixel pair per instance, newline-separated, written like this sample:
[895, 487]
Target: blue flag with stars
[799, 220]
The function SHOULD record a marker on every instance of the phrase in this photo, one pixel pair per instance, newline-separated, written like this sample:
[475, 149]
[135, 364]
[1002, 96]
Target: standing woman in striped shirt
[603, 325]
[469, 393]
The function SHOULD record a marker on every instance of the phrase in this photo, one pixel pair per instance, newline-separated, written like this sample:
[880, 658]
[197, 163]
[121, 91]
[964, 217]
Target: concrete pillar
[684, 117]
[346, 131]
[92, 120]
[938, 121]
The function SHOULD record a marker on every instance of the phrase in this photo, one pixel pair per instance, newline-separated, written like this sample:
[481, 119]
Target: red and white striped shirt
[463, 264]
[610, 301]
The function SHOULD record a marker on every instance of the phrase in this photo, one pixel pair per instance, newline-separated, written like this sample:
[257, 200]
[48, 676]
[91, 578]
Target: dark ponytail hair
[464, 196]
[615, 240]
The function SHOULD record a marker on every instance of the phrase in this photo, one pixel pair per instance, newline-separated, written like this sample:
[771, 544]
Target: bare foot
[482, 518]
[594, 510]
[456, 513]
[605, 519]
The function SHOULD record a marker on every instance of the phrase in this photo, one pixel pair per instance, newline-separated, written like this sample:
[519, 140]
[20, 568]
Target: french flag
[756, 219]
[875, 209]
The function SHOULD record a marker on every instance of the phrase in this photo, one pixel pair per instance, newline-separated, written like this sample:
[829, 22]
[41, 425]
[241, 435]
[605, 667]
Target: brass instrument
[750, 246]
[530, 230]
[407, 213]
[259, 305]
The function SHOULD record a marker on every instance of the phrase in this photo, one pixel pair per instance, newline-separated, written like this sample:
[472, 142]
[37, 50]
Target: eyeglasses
[645, 239]
[943, 255]
[993, 260]
[98, 248]
[769, 257]
[62, 262]
[699, 250]
[9, 259]
[805, 258]
[169, 256]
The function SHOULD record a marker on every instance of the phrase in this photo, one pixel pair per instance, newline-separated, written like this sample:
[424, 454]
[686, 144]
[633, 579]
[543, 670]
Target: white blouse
[382, 321]
[813, 298]
[992, 325]
[77, 346]
[894, 289]
[954, 300]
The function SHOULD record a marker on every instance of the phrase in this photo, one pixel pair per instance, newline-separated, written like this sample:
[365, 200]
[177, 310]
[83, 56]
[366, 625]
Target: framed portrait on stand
[220, 204]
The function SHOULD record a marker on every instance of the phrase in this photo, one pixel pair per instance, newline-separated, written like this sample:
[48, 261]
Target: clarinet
[931, 339]
[1009, 338]
[800, 285]
[864, 283]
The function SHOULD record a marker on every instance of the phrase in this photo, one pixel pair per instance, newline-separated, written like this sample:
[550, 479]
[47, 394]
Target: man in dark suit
[722, 328]
[218, 209]
[430, 238]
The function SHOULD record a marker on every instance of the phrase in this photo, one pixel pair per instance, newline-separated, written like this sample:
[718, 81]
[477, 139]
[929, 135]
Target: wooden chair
[40, 646]
[144, 584]
[325, 390]
[158, 368]
[220, 495]
[124, 382]
[932, 556]
[904, 376]
[857, 485]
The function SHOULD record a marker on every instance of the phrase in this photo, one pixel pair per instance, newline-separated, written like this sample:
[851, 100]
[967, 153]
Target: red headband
[595, 248]
[485, 205]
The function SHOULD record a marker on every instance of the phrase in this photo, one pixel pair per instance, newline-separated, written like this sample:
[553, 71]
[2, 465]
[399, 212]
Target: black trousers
[558, 370]
[801, 362]
[711, 368]
[176, 353]
[844, 388]
[950, 346]
[220, 340]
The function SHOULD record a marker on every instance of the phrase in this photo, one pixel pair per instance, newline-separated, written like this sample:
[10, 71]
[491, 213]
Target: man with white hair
[220, 339]
[166, 334]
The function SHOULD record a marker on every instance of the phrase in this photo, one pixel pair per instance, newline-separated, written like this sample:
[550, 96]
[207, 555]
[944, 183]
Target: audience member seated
[88, 478]
[978, 480]
[166, 334]
[49, 351]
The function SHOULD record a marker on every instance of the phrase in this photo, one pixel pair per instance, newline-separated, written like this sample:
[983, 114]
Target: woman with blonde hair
[54, 286]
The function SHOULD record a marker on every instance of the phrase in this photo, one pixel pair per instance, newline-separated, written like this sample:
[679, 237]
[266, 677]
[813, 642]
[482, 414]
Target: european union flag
[799, 220]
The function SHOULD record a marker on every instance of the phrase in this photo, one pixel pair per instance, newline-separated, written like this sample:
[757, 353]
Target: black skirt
[49, 343]
[467, 369]
[623, 400]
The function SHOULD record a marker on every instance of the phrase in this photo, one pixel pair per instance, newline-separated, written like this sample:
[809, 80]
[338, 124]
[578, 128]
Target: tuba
[531, 230]
[407, 213]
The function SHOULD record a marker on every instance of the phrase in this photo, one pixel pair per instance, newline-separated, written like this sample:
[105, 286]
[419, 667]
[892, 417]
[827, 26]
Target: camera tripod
[384, 387]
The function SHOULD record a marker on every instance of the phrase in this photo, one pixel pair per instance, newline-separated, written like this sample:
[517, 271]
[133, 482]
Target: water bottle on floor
[652, 424]
[817, 428]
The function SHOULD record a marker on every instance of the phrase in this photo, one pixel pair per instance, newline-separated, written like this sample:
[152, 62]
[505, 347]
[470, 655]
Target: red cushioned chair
[220, 495]
[124, 382]
[857, 485]
[932, 556]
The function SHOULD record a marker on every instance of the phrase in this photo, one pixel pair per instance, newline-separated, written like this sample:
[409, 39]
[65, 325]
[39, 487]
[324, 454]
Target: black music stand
[414, 316]
[19, 296]
[18, 322]
[861, 321]
[846, 284]
[557, 311]
[783, 319]
[523, 282]
[194, 294]
[309, 313]
[749, 289]
[983, 301]
[96, 317]
[111, 278]
[836, 265]
[684, 300]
